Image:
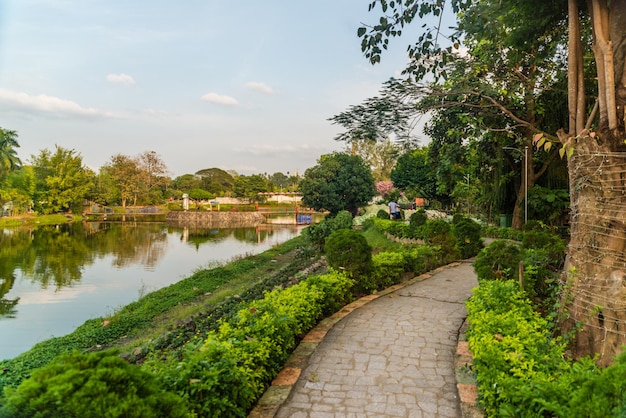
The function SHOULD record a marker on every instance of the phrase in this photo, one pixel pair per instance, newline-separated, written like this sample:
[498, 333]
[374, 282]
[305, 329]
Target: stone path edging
[282, 385]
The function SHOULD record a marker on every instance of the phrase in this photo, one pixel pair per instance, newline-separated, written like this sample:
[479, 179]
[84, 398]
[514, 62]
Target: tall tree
[338, 182]
[8, 153]
[125, 174]
[414, 175]
[249, 187]
[153, 176]
[216, 180]
[380, 155]
[595, 145]
[62, 181]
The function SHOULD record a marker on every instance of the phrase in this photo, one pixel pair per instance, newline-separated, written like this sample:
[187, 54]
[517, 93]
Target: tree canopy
[338, 182]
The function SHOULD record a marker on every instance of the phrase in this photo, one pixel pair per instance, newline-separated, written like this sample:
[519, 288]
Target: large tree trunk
[595, 293]
[594, 298]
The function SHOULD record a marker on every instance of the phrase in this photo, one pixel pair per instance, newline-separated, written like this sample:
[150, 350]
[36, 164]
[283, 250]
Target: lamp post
[524, 178]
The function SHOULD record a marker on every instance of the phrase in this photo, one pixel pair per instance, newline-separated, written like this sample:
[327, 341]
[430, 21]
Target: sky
[243, 85]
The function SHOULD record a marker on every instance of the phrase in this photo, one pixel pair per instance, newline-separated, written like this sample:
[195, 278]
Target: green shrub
[514, 354]
[439, 233]
[347, 250]
[602, 394]
[421, 259]
[499, 260]
[502, 233]
[337, 288]
[382, 214]
[91, 385]
[550, 243]
[319, 232]
[343, 220]
[467, 234]
[231, 369]
[417, 221]
[387, 270]
[534, 225]
[418, 218]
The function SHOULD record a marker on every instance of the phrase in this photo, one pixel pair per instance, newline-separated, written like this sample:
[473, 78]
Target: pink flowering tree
[384, 188]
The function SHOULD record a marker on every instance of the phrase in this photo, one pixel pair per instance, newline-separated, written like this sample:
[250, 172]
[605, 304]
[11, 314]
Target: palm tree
[8, 155]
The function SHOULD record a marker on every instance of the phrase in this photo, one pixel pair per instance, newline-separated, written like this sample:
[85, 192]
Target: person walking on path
[392, 357]
[394, 210]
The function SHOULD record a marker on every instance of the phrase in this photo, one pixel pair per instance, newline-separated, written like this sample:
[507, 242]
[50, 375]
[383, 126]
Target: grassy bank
[169, 317]
[37, 220]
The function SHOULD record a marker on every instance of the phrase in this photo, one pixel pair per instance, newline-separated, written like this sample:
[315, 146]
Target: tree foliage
[8, 153]
[62, 181]
[338, 182]
[249, 187]
[414, 174]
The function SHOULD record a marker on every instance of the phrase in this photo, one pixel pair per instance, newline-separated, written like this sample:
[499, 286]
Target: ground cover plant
[522, 369]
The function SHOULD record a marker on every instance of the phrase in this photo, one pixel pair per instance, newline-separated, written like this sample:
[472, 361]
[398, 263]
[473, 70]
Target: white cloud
[122, 78]
[44, 104]
[260, 87]
[220, 99]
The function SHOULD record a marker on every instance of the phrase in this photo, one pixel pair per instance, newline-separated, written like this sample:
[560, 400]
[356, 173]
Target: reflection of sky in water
[105, 286]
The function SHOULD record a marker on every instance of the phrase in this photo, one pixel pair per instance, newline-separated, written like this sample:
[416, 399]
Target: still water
[52, 279]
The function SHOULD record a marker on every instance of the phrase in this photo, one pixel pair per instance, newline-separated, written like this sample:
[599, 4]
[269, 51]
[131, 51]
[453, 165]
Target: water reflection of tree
[61, 252]
[57, 255]
[14, 250]
[199, 236]
[131, 243]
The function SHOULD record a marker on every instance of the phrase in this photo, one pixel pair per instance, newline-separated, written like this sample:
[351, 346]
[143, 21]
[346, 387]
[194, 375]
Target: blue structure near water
[304, 219]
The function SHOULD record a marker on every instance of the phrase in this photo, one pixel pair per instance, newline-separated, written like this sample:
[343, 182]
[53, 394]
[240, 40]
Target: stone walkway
[390, 355]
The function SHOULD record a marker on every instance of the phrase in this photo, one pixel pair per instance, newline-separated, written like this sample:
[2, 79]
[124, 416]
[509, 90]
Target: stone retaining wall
[204, 219]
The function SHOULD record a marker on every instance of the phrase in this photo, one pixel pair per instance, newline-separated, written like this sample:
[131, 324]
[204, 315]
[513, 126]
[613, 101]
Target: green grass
[34, 220]
[379, 242]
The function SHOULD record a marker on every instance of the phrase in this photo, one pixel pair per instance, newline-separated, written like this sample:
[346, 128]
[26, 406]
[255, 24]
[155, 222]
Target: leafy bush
[91, 385]
[439, 233]
[387, 270]
[499, 260]
[421, 259]
[521, 370]
[342, 220]
[317, 233]
[337, 289]
[602, 394]
[467, 234]
[382, 214]
[550, 243]
[229, 371]
[347, 250]
[502, 233]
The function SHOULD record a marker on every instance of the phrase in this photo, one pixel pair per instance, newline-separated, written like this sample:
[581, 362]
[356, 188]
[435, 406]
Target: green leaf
[361, 31]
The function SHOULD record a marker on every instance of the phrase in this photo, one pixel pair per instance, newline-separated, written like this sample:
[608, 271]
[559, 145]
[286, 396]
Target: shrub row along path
[391, 357]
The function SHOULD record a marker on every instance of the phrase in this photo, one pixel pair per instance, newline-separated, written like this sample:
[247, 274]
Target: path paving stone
[392, 357]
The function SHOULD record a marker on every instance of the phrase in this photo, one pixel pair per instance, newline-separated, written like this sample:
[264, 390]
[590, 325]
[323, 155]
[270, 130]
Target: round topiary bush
[91, 385]
[439, 233]
[468, 241]
[347, 250]
[343, 220]
[418, 218]
[499, 260]
[382, 214]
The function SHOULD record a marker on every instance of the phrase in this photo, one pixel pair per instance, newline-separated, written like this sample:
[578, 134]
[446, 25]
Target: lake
[54, 278]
